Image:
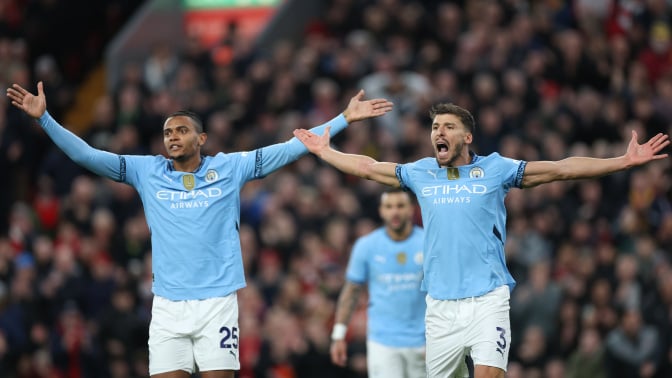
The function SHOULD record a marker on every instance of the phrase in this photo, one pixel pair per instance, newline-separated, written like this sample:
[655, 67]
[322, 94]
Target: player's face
[181, 139]
[449, 138]
[396, 211]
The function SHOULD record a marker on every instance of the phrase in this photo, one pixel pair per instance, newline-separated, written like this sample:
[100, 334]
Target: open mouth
[442, 149]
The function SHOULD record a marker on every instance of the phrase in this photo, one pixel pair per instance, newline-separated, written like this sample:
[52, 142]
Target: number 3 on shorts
[501, 345]
[229, 338]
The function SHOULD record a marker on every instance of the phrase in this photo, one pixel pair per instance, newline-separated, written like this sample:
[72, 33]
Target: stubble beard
[180, 158]
[400, 227]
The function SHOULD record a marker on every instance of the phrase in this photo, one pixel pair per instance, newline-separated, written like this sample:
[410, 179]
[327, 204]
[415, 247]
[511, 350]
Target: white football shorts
[478, 326]
[194, 334]
[387, 362]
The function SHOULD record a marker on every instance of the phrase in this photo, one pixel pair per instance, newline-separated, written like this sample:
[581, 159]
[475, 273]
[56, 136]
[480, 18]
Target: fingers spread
[19, 89]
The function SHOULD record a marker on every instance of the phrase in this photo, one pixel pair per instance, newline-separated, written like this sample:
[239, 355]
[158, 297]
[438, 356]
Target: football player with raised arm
[192, 207]
[461, 197]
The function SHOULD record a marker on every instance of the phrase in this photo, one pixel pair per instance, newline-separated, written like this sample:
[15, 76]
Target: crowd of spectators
[544, 79]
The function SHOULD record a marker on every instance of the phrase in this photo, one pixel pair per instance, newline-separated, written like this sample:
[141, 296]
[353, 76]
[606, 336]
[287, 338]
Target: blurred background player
[389, 261]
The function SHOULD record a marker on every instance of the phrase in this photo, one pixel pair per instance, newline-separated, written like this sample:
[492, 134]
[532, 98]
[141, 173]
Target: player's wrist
[347, 116]
[339, 331]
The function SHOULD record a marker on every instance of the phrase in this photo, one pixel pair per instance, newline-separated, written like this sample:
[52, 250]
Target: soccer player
[389, 260]
[461, 197]
[192, 206]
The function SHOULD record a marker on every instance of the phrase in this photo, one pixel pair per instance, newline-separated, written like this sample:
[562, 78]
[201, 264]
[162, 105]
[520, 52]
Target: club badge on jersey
[211, 175]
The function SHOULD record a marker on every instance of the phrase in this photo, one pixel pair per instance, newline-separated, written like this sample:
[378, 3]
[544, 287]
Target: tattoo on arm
[347, 302]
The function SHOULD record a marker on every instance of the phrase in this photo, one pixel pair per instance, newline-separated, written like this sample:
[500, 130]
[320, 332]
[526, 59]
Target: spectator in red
[657, 56]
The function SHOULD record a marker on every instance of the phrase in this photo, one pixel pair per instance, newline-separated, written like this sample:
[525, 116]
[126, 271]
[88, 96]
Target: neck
[189, 165]
[464, 158]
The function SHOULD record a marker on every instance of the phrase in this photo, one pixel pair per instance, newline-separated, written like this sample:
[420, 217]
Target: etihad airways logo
[189, 200]
[462, 189]
[172, 195]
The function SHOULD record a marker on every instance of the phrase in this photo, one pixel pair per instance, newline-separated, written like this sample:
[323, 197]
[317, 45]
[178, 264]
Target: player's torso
[464, 219]
[396, 303]
[395, 266]
[194, 218]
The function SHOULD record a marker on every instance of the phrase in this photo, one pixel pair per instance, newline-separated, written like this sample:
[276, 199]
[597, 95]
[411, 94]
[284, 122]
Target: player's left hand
[339, 353]
[358, 109]
[639, 154]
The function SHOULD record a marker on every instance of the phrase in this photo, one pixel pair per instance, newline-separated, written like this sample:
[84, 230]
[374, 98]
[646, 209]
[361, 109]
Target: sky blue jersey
[393, 271]
[464, 217]
[194, 217]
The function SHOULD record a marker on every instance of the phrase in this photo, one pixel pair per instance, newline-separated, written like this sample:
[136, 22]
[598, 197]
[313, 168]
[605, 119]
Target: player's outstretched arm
[358, 165]
[540, 172]
[100, 162]
[278, 155]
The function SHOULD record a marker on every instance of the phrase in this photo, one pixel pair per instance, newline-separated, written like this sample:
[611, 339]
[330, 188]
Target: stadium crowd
[545, 79]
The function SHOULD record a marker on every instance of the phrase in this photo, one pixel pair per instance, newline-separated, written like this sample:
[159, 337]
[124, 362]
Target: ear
[202, 137]
[469, 138]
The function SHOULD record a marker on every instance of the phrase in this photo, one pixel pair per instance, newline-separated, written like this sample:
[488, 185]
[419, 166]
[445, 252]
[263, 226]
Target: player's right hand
[339, 352]
[31, 104]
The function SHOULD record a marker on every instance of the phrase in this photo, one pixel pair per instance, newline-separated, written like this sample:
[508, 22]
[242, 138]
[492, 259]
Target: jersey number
[501, 345]
[230, 338]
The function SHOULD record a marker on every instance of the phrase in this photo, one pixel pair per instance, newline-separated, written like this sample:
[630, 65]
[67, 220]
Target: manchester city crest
[211, 175]
[476, 172]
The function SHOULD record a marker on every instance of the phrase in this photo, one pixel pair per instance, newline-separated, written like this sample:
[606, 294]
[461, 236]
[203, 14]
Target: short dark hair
[448, 108]
[394, 189]
[198, 124]
[398, 189]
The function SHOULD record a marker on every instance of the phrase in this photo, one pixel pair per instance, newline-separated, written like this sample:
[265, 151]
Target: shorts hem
[490, 364]
[168, 370]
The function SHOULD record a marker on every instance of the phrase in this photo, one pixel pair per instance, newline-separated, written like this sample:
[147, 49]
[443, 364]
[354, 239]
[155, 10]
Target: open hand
[358, 110]
[313, 142]
[32, 105]
[639, 154]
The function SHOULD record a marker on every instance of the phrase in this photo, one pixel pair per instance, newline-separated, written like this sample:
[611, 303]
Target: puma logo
[432, 173]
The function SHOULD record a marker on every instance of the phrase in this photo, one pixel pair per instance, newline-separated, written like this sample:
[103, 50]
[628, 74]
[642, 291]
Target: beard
[399, 228]
[180, 158]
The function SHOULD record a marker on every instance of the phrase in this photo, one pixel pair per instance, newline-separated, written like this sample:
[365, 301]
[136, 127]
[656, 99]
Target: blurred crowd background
[544, 79]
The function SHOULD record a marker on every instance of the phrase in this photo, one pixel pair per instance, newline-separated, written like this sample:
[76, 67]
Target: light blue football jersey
[393, 271]
[194, 218]
[464, 218]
